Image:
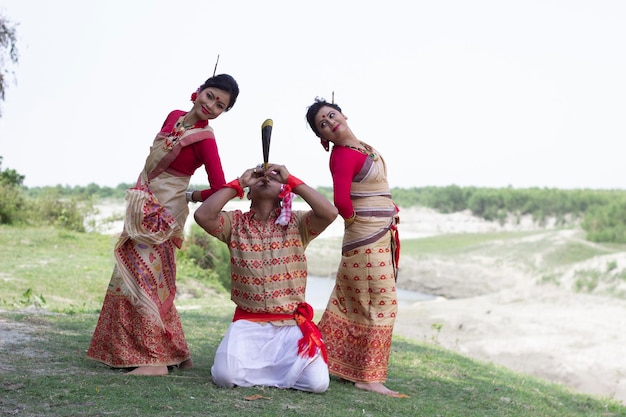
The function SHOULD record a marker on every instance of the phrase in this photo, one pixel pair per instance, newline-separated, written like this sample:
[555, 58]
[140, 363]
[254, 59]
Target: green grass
[547, 253]
[66, 268]
[575, 252]
[455, 243]
[49, 375]
[44, 371]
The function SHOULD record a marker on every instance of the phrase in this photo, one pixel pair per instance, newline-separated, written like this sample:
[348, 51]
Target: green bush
[606, 223]
[66, 213]
[208, 253]
[449, 199]
[603, 211]
[50, 207]
[488, 204]
[12, 204]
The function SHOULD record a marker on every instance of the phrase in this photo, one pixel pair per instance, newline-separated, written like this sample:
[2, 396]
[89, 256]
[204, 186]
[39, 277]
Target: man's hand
[277, 173]
[251, 177]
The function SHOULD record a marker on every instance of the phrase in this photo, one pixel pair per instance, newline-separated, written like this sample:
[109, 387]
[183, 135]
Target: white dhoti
[261, 354]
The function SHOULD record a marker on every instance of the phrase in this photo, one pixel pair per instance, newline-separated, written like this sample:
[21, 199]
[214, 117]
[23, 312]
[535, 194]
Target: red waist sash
[311, 335]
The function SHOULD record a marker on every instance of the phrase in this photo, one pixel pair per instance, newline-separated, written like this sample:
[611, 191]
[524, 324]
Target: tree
[12, 197]
[10, 177]
[8, 52]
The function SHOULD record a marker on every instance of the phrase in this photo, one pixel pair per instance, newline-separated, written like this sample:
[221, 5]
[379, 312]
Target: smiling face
[210, 103]
[330, 123]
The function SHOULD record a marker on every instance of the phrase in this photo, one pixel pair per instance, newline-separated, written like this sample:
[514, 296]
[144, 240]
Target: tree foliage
[601, 213]
[11, 195]
[50, 207]
[498, 203]
[607, 222]
[8, 52]
[209, 254]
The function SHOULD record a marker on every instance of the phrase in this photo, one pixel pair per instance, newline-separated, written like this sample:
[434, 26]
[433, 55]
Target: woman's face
[330, 123]
[210, 103]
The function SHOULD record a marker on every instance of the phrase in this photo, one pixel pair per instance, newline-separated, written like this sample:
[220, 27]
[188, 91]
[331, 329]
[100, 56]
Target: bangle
[189, 196]
[293, 182]
[235, 185]
[350, 220]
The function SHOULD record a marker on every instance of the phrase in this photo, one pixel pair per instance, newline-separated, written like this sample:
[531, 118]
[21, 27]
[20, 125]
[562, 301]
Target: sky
[451, 92]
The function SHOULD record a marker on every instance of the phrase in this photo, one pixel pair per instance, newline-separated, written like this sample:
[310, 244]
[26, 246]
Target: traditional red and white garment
[262, 354]
[265, 344]
[357, 325]
[126, 336]
[139, 324]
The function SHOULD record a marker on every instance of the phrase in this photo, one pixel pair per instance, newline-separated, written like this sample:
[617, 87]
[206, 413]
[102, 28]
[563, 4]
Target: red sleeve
[345, 163]
[197, 154]
[170, 120]
[208, 153]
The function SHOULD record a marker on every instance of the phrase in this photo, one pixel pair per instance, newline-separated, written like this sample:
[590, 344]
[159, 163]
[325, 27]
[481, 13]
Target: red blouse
[345, 163]
[195, 155]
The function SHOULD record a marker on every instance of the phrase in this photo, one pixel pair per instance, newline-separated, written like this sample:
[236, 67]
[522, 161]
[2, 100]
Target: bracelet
[350, 220]
[293, 182]
[189, 196]
[235, 185]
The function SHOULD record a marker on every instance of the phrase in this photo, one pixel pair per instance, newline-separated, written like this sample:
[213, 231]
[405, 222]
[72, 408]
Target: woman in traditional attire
[139, 326]
[357, 324]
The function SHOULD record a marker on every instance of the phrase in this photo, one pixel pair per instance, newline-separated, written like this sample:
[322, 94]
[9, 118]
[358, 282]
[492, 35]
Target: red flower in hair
[194, 96]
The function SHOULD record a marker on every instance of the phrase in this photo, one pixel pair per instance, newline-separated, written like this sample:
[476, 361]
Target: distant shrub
[12, 204]
[489, 204]
[208, 253]
[67, 213]
[91, 191]
[602, 211]
[498, 203]
[606, 223]
[49, 209]
[449, 199]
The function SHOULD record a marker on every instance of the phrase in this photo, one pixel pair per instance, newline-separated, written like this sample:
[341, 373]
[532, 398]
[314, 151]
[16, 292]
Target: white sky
[483, 93]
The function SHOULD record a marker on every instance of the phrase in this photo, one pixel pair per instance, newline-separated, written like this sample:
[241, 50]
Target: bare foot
[149, 370]
[375, 387]
[188, 364]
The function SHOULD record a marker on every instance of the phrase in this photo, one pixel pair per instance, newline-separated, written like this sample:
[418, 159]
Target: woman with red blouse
[357, 324]
[139, 327]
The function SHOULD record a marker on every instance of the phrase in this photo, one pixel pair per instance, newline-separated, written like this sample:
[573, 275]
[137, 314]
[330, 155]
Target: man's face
[265, 188]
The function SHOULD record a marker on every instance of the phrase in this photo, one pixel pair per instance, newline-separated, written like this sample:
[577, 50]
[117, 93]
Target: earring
[194, 96]
[325, 144]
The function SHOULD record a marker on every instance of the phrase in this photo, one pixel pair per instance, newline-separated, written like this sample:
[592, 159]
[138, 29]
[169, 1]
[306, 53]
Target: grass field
[52, 284]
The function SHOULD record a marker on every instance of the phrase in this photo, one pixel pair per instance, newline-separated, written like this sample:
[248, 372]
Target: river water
[318, 290]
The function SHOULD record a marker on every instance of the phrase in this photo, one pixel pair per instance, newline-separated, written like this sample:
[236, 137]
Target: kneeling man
[272, 340]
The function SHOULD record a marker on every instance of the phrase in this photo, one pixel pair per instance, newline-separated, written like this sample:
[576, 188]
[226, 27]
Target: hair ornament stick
[215, 67]
[266, 136]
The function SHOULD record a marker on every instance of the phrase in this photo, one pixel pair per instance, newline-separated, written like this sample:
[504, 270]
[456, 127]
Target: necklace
[182, 123]
[180, 127]
[369, 151]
